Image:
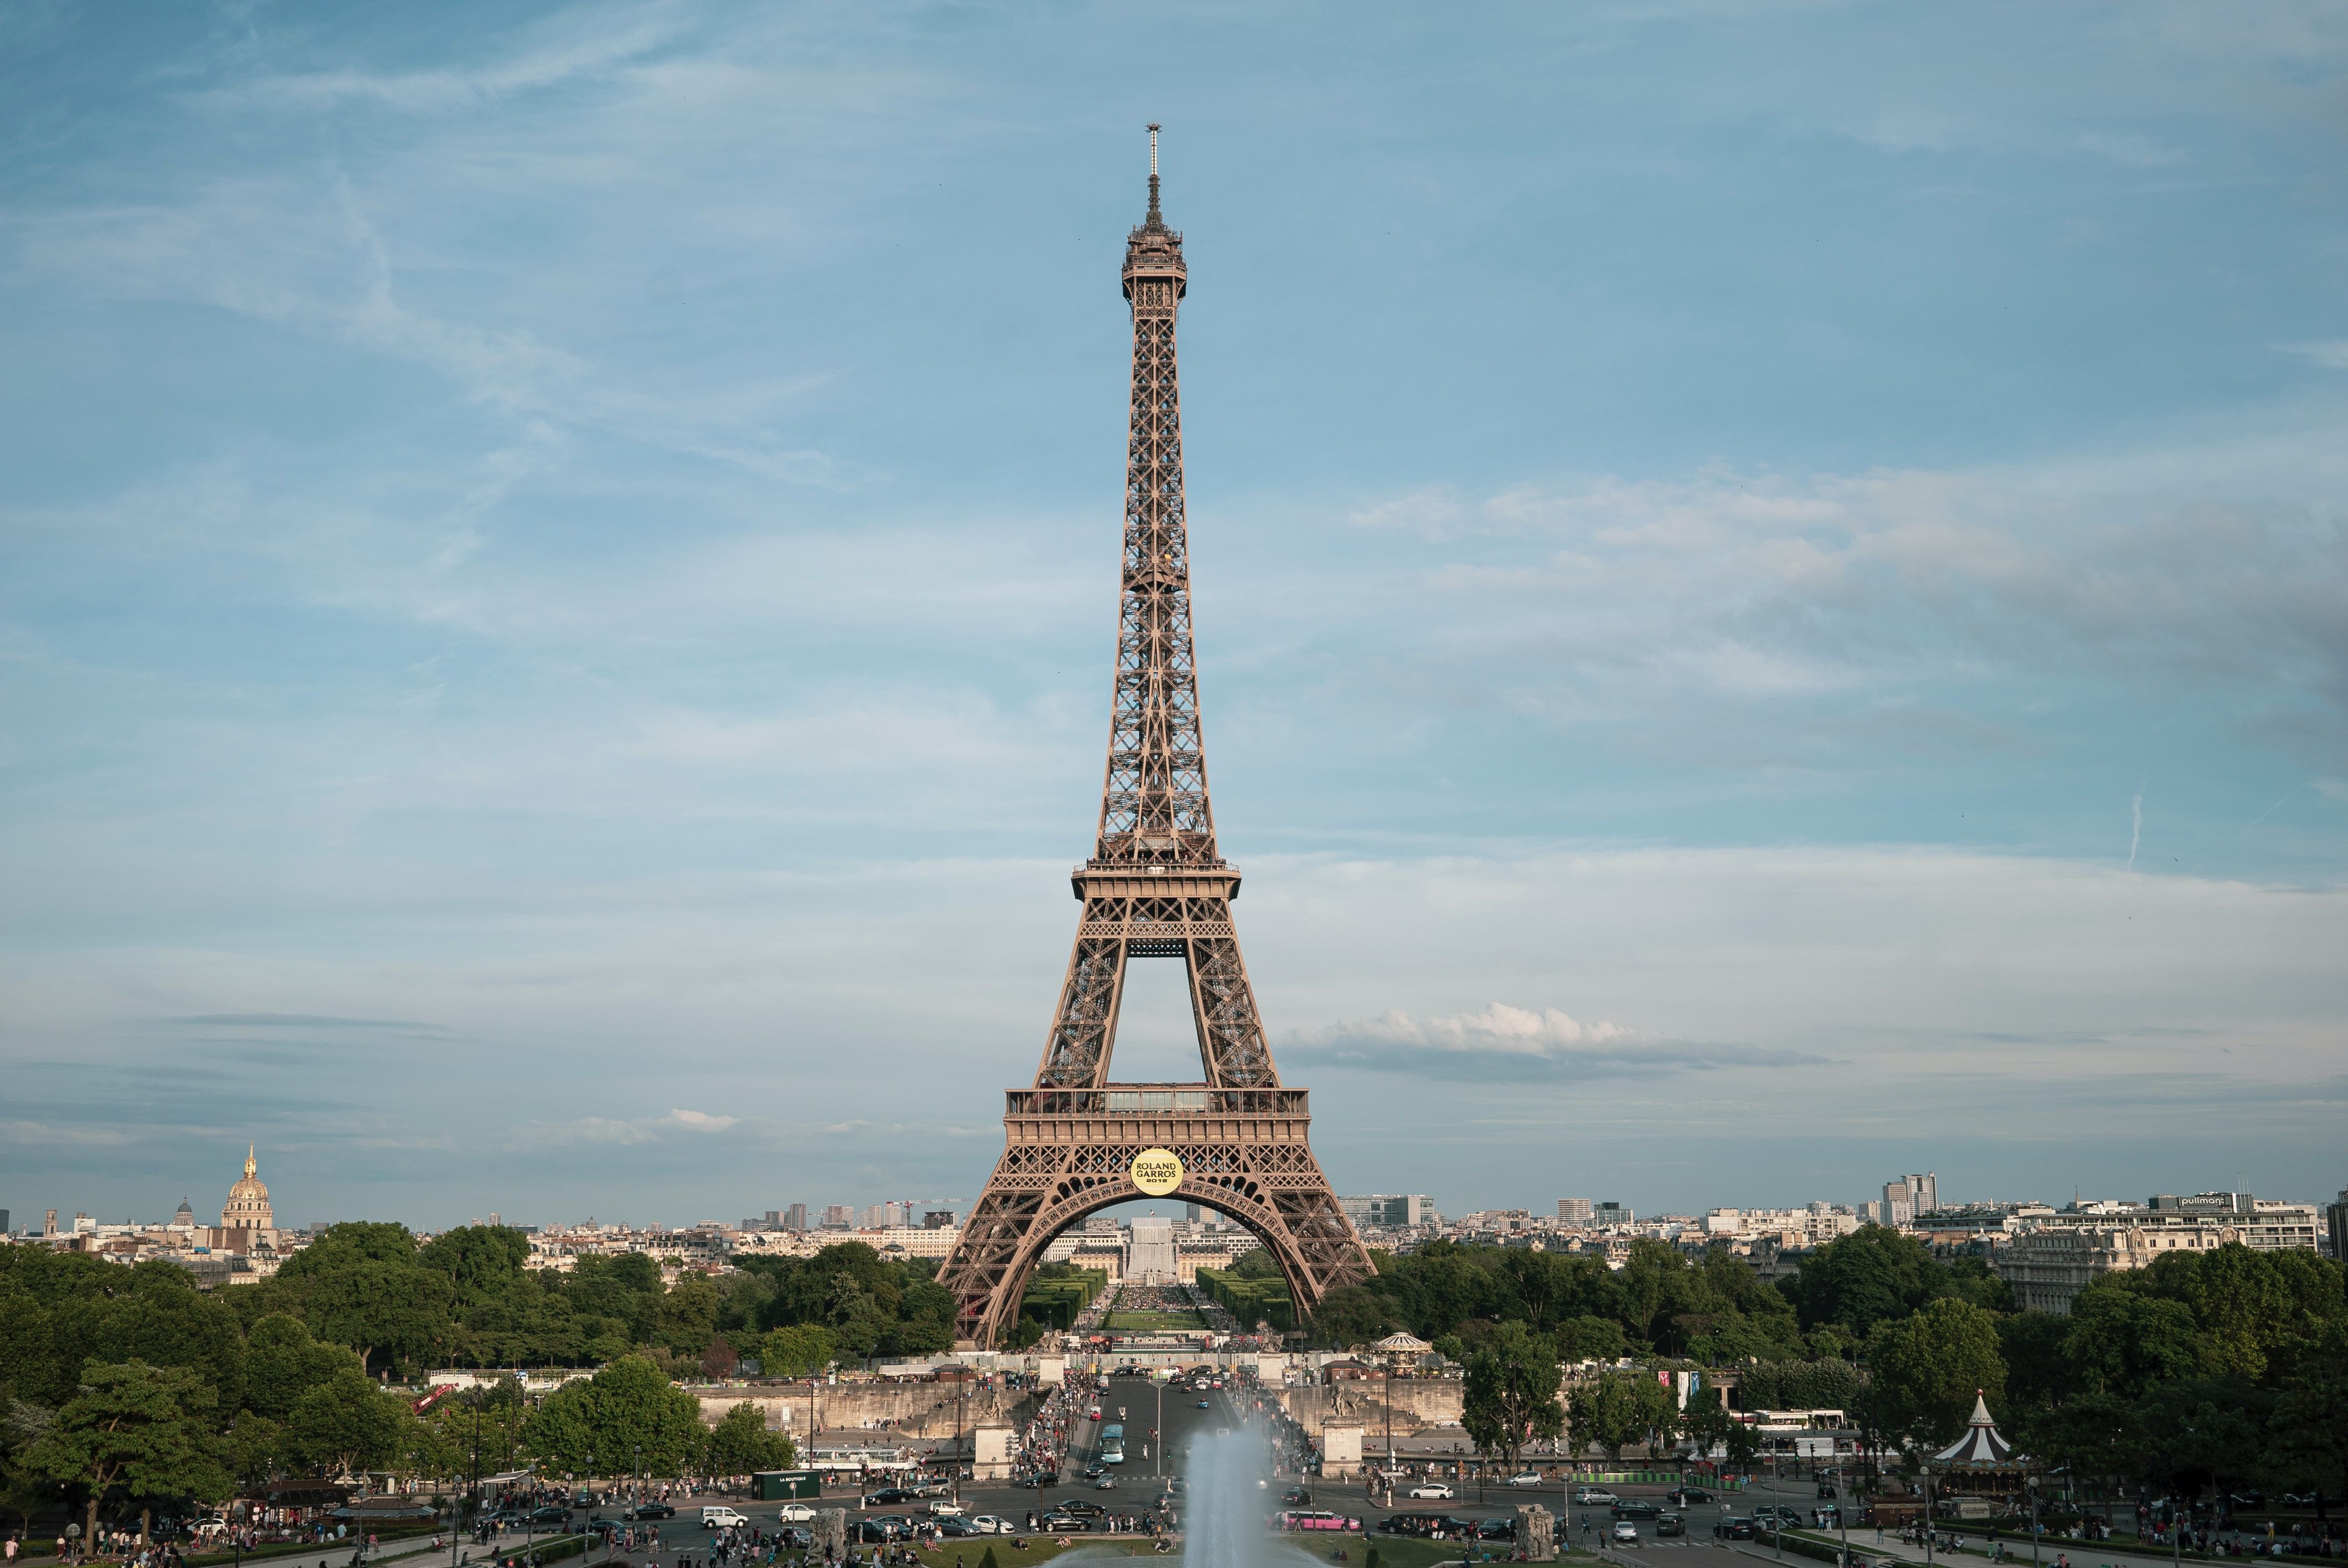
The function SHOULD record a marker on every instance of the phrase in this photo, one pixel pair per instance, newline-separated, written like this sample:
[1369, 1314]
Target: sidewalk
[2081, 1554]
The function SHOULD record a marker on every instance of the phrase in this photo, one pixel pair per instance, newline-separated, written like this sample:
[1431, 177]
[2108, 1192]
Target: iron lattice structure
[1155, 887]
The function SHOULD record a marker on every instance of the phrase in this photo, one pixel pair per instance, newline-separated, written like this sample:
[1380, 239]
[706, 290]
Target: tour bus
[868, 1459]
[1112, 1450]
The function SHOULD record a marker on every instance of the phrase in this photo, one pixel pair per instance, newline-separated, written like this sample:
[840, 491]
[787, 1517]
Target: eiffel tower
[1155, 887]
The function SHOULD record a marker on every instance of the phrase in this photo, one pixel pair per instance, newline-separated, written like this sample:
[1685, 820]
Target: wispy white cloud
[1503, 1041]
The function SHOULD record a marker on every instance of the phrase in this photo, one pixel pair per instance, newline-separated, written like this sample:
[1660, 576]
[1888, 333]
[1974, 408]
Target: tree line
[127, 1388]
[2206, 1372]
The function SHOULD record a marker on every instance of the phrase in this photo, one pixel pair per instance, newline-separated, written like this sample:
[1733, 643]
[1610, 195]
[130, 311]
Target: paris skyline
[1770, 592]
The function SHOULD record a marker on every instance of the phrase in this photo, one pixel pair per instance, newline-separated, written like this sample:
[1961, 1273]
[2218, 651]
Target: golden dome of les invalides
[248, 1201]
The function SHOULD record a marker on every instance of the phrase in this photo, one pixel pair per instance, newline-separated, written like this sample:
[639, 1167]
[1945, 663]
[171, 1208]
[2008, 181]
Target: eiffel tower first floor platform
[1067, 1152]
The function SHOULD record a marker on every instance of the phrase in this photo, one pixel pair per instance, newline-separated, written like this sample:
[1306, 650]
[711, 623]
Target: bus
[1112, 1444]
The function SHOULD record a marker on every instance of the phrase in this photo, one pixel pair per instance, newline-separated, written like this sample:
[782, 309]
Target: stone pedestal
[1341, 1451]
[990, 1451]
[1535, 1533]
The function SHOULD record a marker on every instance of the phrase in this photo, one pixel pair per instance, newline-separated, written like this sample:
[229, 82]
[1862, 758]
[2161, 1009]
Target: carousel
[1981, 1464]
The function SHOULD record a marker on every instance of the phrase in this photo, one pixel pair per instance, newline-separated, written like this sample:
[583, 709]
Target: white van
[717, 1516]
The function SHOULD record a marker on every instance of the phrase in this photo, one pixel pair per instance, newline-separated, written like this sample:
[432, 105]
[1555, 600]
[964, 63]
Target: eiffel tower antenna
[1155, 887]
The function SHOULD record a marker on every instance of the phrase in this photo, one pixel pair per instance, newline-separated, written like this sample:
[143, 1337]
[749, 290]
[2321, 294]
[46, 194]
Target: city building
[2048, 1268]
[1573, 1211]
[1611, 1213]
[795, 1218]
[1387, 1211]
[248, 1223]
[2335, 1221]
[1149, 1251]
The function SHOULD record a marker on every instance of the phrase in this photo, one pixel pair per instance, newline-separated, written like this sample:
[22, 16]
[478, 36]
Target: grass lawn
[1150, 1322]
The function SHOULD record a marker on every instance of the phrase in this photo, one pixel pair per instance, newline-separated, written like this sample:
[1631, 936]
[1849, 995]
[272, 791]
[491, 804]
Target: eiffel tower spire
[1155, 887]
[1154, 807]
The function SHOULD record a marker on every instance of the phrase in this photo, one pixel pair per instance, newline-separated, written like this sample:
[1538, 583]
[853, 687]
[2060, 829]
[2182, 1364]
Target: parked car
[988, 1524]
[954, 1524]
[1730, 1528]
[1589, 1496]
[1671, 1524]
[1626, 1531]
[1526, 1478]
[1433, 1489]
[1499, 1529]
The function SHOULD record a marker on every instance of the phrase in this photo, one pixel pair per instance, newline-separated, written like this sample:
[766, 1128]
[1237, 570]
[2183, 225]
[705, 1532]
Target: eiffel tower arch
[1155, 887]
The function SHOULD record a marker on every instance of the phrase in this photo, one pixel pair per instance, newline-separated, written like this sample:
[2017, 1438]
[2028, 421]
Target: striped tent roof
[1981, 1447]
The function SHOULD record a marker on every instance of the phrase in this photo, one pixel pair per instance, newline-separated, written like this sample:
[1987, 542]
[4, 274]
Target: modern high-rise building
[1149, 1251]
[1573, 1211]
[1388, 1210]
[1611, 1213]
[2335, 1225]
[838, 1217]
[937, 1220]
[795, 1217]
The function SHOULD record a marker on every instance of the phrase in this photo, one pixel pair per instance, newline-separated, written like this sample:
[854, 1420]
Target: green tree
[283, 1362]
[2123, 1342]
[2090, 1435]
[740, 1444]
[143, 1428]
[627, 1404]
[2309, 1428]
[346, 1425]
[1707, 1420]
[1617, 1408]
[1926, 1369]
[1588, 1338]
[360, 1285]
[800, 1350]
[1512, 1392]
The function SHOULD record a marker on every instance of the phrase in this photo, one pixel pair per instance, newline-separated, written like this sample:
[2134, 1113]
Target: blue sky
[1772, 591]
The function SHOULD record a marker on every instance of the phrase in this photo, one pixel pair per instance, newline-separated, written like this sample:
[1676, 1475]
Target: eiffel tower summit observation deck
[1155, 887]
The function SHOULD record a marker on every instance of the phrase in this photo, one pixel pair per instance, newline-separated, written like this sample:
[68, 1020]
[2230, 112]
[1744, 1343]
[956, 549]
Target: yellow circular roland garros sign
[1156, 1171]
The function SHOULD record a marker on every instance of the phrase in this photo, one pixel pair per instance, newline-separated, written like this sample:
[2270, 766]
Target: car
[1526, 1478]
[1635, 1508]
[1682, 1496]
[1775, 1514]
[890, 1495]
[954, 1524]
[1502, 1529]
[1093, 1414]
[1671, 1524]
[1626, 1531]
[1105, 1484]
[1729, 1527]
[607, 1520]
[1081, 1509]
[1589, 1496]
[1296, 1495]
[1205, 1404]
[945, 1509]
[551, 1514]
[652, 1511]
[2253, 1497]
[988, 1524]
[795, 1538]
[1177, 1486]
[1433, 1489]
[1058, 1523]
[717, 1516]
[1092, 1471]
[796, 1513]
